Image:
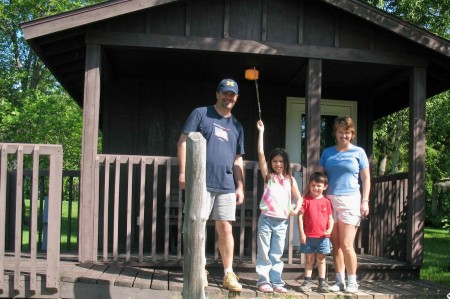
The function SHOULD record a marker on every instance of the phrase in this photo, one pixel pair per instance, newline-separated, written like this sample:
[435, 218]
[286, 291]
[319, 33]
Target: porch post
[313, 96]
[416, 180]
[91, 108]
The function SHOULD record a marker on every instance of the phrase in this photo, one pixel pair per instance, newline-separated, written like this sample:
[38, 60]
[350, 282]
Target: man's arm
[238, 170]
[181, 152]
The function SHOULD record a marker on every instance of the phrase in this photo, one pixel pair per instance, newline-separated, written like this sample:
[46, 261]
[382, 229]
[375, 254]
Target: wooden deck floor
[117, 280]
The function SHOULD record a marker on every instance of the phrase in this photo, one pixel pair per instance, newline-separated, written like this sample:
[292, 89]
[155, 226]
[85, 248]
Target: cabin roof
[348, 73]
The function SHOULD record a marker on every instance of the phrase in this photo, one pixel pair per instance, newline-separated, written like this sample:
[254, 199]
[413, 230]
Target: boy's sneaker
[352, 287]
[323, 287]
[230, 282]
[306, 286]
[338, 287]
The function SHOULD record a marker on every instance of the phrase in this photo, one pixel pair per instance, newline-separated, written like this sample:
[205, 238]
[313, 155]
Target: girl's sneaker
[279, 289]
[338, 287]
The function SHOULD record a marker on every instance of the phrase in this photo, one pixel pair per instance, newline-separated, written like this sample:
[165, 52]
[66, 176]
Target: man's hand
[182, 180]
[239, 196]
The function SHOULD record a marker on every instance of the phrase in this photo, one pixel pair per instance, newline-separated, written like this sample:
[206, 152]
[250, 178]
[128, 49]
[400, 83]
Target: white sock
[352, 278]
[340, 277]
[227, 270]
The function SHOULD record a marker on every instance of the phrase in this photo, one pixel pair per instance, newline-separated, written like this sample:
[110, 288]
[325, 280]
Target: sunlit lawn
[436, 256]
[64, 226]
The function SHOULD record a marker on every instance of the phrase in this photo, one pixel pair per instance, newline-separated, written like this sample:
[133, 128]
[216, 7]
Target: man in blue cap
[224, 136]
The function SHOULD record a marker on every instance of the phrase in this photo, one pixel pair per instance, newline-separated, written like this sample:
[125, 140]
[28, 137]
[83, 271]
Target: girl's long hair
[287, 165]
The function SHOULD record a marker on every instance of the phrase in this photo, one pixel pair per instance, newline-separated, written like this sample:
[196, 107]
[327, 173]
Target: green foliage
[385, 132]
[44, 119]
[33, 106]
[429, 14]
[435, 17]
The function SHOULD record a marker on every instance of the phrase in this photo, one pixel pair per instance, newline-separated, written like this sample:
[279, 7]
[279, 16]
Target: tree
[435, 17]
[391, 150]
[431, 15]
[34, 108]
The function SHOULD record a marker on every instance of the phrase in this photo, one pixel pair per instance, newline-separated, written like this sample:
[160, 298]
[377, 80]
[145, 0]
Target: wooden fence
[388, 220]
[12, 156]
[141, 210]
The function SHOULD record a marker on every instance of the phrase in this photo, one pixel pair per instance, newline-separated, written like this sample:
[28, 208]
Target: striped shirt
[276, 199]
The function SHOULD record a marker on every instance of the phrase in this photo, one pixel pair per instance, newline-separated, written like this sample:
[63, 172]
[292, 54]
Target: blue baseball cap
[228, 85]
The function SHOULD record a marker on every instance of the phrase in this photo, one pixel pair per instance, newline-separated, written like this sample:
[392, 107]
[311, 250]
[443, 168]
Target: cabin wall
[143, 116]
[280, 21]
[146, 118]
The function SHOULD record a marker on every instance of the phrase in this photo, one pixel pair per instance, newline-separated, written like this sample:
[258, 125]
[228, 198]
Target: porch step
[170, 285]
[369, 268]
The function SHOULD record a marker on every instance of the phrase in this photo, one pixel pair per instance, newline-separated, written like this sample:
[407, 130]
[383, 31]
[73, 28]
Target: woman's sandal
[265, 288]
[280, 289]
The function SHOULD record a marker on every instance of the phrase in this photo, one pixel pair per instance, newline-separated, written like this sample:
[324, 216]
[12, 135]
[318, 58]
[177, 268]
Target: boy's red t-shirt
[316, 212]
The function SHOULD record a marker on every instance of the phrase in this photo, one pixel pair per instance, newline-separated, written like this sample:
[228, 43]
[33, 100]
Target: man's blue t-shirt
[224, 140]
[343, 169]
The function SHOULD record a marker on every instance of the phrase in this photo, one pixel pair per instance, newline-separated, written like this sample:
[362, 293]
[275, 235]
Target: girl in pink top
[275, 208]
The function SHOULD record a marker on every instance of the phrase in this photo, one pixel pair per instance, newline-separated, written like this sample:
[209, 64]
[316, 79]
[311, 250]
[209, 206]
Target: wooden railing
[141, 210]
[387, 226]
[13, 155]
[70, 200]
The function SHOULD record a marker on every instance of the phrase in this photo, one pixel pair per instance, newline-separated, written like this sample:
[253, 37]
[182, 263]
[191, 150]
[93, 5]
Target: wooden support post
[313, 97]
[91, 111]
[416, 182]
[195, 218]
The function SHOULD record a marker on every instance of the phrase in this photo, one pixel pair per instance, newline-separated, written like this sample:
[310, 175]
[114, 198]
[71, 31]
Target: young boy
[315, 222]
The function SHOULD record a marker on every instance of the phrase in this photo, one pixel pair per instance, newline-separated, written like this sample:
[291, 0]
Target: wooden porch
[134, 280]
[138, 231]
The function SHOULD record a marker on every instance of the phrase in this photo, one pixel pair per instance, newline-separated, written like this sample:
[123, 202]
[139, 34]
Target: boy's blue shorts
[316, 245]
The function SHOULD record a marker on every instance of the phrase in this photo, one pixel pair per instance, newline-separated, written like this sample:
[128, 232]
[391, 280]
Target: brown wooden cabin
[138, 68]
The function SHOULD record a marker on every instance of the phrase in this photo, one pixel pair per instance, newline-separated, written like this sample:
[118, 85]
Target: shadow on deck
[379, 278]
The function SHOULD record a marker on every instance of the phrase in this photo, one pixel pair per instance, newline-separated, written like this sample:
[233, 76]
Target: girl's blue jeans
[271, 240]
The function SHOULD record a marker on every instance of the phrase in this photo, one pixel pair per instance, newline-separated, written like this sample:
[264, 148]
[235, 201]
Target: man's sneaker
[205, 279]
[306, 286]
[338, 286]
[230, 282]
[323, 287]
[352, 287]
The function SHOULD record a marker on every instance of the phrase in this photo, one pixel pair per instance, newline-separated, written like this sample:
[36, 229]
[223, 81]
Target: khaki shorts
[223, 206]
[346, 208]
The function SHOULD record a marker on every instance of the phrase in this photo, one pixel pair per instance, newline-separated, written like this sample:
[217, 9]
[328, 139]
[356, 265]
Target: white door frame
[295, 107]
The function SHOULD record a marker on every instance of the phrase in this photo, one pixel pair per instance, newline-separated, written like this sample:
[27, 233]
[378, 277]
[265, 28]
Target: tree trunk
[382, 168]
[195, 218]
[396, 153]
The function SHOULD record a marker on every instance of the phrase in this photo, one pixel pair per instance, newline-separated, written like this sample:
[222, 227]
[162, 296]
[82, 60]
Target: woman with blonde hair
[345, 164]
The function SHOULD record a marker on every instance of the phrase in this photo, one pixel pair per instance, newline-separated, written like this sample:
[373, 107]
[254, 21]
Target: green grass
[64, 226]
[436, 256]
